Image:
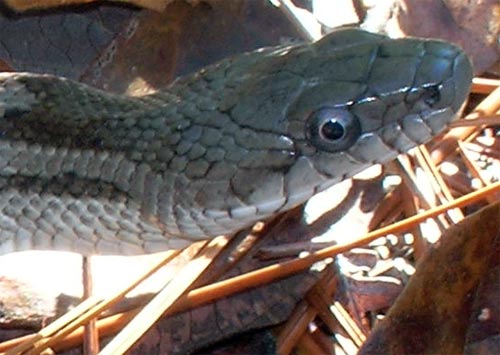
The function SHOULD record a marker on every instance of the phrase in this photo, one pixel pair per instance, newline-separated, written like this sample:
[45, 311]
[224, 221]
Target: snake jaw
[371, 149]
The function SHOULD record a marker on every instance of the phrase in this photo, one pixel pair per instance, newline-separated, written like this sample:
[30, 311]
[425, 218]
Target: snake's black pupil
[332, 130]
[432, 95]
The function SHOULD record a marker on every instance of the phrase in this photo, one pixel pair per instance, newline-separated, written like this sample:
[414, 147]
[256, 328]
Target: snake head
[372, 99]
[337, 106]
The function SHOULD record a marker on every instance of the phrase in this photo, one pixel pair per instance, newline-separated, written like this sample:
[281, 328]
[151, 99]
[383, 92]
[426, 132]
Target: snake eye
[432, 95]
[332, 129]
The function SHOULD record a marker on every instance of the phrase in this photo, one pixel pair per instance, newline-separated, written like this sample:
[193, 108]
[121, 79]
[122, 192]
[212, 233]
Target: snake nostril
[432, 95]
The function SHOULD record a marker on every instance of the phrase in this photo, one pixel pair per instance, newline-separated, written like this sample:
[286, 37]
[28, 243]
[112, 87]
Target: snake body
[239, 141]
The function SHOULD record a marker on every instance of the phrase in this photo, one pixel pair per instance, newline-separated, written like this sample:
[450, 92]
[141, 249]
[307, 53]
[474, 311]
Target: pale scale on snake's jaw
[239, 141]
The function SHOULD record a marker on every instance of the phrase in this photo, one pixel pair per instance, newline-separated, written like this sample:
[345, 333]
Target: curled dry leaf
[432, 313]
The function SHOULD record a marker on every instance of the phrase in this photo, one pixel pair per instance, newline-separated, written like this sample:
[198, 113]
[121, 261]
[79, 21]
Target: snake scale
[236, 142]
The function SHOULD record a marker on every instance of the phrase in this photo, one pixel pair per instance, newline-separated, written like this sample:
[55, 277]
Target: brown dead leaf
[432, 313]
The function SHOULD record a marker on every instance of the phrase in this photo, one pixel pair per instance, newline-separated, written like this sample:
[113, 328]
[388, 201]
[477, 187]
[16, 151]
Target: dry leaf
[432, 313]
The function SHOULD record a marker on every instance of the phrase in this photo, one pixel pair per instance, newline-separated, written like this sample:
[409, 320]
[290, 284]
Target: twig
[484, 85]
[164, 299]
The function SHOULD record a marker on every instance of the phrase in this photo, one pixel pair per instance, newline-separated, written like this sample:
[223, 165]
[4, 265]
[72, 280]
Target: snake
[215, 151]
